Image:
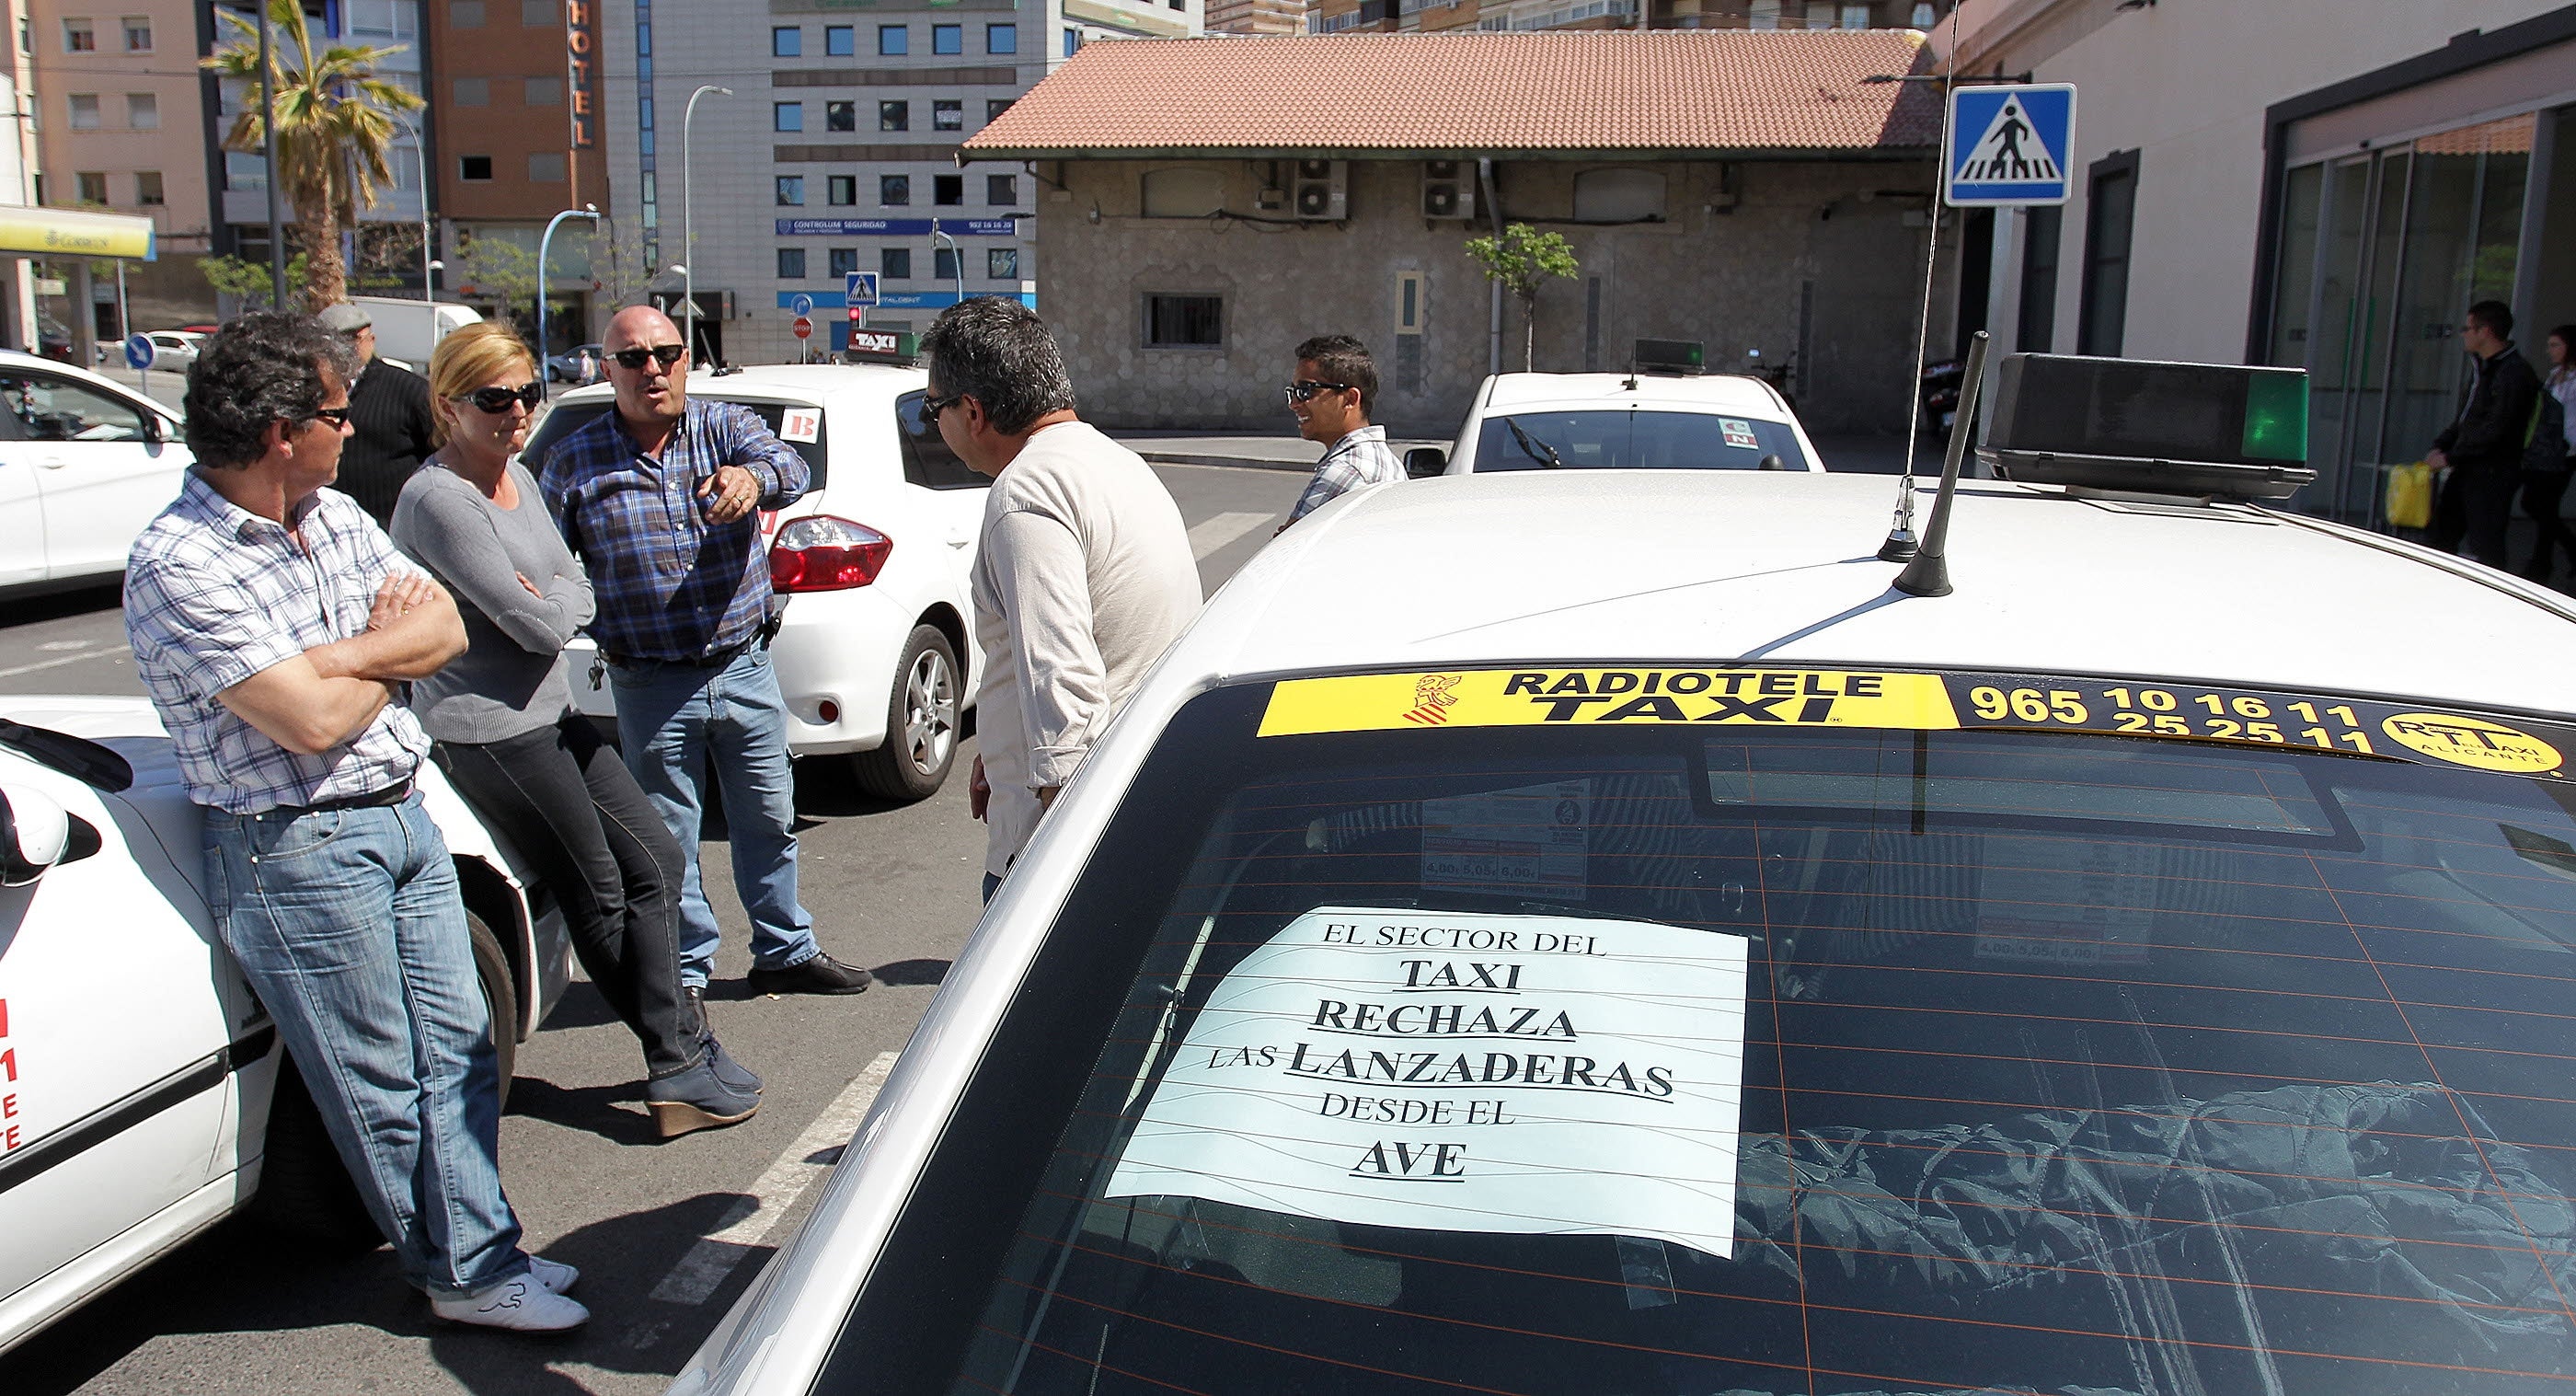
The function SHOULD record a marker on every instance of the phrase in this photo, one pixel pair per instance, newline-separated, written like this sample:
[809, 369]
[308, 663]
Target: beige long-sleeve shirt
[1083, 577]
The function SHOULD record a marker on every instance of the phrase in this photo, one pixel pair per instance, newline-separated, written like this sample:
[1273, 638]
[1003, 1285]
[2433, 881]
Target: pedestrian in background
[1331, 396]
[661, 498]
[273, 623]
[2480, 454]
[391, 430]
[2544, 488]
[511, 743]
[1083, 571]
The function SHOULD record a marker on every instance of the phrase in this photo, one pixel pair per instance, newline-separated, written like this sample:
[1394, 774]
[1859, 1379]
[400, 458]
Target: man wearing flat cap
[389, 419]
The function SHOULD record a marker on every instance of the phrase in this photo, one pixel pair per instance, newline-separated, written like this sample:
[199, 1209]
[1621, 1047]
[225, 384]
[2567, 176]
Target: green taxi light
[2276, 417]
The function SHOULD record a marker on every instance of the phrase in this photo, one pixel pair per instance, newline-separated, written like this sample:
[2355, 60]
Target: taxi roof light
[1687, 357]
[2219, 431]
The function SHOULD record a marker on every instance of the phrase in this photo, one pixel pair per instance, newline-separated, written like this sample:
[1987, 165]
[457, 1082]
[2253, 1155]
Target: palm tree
[335, 122]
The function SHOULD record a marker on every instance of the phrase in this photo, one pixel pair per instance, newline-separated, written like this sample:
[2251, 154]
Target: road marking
[58, 646]
[58, 663]
[1215, 533]
[746, 1226]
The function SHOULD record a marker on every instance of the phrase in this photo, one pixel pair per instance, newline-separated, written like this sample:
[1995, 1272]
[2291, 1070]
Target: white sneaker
[553, 1276]
[518, 1303]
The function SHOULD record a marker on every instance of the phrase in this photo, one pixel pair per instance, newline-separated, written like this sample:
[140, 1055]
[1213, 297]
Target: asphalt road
[666, 1235]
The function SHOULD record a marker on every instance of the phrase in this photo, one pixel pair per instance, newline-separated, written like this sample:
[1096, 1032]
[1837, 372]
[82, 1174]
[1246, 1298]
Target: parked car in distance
[1645, 420]
[583, 364]
[875, 651]
[173, 351]
[85, 463]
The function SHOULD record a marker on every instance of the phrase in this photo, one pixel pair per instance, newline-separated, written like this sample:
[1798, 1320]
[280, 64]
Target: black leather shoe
[819, 975]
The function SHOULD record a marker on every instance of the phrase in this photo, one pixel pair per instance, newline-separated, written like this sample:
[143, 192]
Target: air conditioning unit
[1322, 190]
[1448, 189]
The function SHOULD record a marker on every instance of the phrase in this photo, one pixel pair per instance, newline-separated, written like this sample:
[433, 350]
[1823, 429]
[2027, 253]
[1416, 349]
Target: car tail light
[822, 553]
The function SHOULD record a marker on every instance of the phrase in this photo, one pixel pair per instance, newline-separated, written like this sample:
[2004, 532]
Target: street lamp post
[428, 287]
[688, 228]
[545, 245]
[956, 257]
[268, 147]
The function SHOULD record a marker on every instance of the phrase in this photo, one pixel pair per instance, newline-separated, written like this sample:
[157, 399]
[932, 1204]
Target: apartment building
[117, 117]
[832, 148]
[1395, 16]
[1256, 17]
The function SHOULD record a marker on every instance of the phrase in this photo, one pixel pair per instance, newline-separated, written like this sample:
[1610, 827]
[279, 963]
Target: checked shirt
[1357, 461]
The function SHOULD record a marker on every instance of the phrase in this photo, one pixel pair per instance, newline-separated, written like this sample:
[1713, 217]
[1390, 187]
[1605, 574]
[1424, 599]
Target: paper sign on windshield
[1738, 433]
[800, 424]
[1546, 1075]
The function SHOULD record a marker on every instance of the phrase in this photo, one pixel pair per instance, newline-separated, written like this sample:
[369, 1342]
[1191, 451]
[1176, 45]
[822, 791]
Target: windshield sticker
[1738, 433]
[1912, 702]
[1530, 841]
[800, 424]
[1533, 1075]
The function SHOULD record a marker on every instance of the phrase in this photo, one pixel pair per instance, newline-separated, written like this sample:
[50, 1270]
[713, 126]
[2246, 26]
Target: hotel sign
[581, 44]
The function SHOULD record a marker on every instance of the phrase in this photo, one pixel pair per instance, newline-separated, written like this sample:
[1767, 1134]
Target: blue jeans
[349, 927]
[671, 718]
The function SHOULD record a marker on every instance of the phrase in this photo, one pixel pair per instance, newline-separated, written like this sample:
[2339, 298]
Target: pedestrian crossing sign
[2009, 145]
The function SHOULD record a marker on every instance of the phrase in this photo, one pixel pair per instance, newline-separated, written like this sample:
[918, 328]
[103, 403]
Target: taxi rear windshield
[1674, 1060]
[1620, 439]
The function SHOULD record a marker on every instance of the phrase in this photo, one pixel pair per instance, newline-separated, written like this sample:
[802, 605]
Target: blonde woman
[512, 744]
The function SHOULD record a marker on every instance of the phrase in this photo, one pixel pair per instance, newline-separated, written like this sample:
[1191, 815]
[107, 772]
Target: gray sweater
[511, 678]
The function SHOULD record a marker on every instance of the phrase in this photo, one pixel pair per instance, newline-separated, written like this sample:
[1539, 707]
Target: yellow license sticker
[1609, 697]
[2471, 741]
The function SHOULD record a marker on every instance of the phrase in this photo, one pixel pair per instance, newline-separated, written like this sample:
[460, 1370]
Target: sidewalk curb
[1243, 462]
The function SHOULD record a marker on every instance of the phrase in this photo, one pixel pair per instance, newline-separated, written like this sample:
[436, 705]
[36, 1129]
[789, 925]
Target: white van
[408, 329]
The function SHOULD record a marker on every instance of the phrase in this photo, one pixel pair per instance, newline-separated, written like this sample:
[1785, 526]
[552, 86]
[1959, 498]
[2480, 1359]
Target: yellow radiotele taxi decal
[2471, 741]
[1595, 697]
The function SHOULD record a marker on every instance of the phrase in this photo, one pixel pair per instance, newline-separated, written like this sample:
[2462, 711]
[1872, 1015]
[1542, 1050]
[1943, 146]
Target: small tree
[1522, 258]
[250, 280]
[499, 270]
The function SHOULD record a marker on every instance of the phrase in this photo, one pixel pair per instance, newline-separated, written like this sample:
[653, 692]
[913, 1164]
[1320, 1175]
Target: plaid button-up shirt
[213, 595]
[1357, 461]
[670, 584]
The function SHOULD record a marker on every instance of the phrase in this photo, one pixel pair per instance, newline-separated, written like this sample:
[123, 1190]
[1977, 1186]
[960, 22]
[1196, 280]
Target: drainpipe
[1494, 314]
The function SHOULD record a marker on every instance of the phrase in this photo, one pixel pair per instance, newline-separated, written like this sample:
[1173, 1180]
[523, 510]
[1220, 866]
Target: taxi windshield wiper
[1535, 449]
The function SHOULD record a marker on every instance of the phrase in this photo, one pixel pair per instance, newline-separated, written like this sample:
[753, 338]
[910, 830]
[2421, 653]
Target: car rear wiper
[78, 757]
[1535, 449]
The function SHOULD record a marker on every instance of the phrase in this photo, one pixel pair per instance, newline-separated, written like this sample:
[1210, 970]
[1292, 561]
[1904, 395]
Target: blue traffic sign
[860, 289]
[803, 304]
[2009, 145]
[138, 352]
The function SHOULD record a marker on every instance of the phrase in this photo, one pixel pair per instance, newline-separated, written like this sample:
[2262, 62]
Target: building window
[948, 189]
[474, 169]
[840, 41]
[1854, 17]
[1002, 191]
[947, 38]
[791, 264]
[845, 262]
[543, 92]
[93, 187]
[2041, 229]
[84, 110]
[895, 263]
[138, 33]
[840, 116]
[1923, 16]
[894, 116]
[894, 39]
[894, 191]
[142, 111]
[791, 190]
[546, 167]
[147, 188]
[2110, 208]
[540, 14]
[787, 116]
[465, 14]
[943, 264]
[1001, 38]
[841, 191]
[1765, 15]
[1002, 264]
[1073, 40]
[947, 116]
[79, 37]
[473, 92]
[995, 106]
[1184, 322]
[786, 41]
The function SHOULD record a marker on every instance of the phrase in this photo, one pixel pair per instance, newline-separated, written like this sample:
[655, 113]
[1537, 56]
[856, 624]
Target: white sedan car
[1622, 421]
[877, 644]
[85, 463]
[143, 1093]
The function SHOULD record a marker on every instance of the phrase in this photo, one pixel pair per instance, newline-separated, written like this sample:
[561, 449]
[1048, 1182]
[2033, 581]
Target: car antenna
[1928, 573]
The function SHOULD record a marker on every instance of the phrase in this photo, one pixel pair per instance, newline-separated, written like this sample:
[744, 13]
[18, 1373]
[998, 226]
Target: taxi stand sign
[2008, 145]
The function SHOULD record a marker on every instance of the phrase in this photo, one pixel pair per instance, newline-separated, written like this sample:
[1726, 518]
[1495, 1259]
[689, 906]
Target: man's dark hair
[999, 352]
[259, 369]
[2495, 315]
[1343, 359]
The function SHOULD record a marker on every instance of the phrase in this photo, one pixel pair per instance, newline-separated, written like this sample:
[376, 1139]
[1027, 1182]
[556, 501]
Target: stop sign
[804, 327]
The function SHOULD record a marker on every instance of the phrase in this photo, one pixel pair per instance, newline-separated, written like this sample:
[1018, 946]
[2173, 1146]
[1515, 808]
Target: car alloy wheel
[921, 722]
[930, 712]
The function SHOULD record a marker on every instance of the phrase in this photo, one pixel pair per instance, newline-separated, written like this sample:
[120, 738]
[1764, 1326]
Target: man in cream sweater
[1083, 572]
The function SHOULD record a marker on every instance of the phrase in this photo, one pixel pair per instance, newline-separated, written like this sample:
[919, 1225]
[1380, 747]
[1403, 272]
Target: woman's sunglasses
[663, 354]
[497, 400]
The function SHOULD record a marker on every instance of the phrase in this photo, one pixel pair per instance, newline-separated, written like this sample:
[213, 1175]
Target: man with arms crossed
[271, 620]
[1083, 574]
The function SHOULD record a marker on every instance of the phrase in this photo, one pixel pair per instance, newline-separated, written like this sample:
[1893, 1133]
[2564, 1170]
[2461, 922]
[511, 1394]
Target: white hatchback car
[143, 1094]
[85, 463]
[1622, 421]
[1556, 932]
[876, 646]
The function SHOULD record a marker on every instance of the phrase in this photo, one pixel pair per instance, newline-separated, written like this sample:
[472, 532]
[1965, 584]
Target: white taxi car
[1697, 965]
[1645, 420]
[875, 648]
[84, 464]
[143, 1093]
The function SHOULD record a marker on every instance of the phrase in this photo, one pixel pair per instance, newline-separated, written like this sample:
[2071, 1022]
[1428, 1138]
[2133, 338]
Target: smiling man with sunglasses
[1335, 387]
[661, 498]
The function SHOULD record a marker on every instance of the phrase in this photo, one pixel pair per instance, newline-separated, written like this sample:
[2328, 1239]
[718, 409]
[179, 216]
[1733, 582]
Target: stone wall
[1815, 263]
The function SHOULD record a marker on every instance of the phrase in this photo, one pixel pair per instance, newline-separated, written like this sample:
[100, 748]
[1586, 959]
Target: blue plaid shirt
[1360, 460]
[213, 595]
[670, 584]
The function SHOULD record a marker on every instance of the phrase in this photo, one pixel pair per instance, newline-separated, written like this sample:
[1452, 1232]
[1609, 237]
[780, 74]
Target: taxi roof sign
[2009, 145]
[882, 347]
[2221, 430]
